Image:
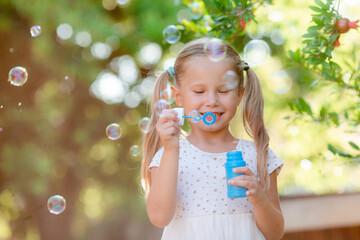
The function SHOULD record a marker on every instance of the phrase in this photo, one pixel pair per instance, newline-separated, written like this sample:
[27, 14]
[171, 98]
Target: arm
[267, 211]
[161, 201]
[266, 205]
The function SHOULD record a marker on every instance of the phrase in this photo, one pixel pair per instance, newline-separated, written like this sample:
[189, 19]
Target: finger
[251, 192]
[244, 170]
[161, 127]
[244, 177]
[167, 115]
[242, 183]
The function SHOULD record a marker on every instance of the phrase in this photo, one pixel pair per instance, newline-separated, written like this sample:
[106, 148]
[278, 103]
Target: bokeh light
[18, 76]
[64, 31]
[83, 39]
[306, 164]
[56, 204]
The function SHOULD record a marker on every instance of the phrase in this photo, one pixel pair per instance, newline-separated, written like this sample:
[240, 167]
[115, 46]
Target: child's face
[202, 88]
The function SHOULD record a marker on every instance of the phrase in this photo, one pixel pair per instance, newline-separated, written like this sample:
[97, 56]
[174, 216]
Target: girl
[185, 179]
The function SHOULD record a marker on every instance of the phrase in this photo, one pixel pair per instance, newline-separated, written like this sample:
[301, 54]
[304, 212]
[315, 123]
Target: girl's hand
[249, 180]
[168, 129]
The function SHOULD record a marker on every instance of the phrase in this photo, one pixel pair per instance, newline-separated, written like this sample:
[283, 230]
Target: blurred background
[92, 63]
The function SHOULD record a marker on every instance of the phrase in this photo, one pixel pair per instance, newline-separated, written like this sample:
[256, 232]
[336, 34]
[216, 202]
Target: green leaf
[326, 65]
[321, 4]
[323, 112]
[334, 117]
[328, 52]
[352, 144]
[308, 35]
[316, 9]
[318, 22]
[332, 149]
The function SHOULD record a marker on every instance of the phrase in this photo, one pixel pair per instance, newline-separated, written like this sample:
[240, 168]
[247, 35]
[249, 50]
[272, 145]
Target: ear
[177, 96]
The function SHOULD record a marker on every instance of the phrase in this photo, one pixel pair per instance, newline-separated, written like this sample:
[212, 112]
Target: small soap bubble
[215, 49]
[56, 204]
[113, 131]
[35, 30]
[171, 34]
[281, 82]
[18, 76]
[1, 129]
[144, 124]
[167, 95]
[161, 105]
[135, 150]
[196, 10]
[195, 116]
[231, 79]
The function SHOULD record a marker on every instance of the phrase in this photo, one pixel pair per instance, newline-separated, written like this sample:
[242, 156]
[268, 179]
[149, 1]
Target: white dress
[204, 212]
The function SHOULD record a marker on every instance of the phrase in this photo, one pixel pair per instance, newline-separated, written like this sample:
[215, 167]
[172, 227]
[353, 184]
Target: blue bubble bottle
[234, 160]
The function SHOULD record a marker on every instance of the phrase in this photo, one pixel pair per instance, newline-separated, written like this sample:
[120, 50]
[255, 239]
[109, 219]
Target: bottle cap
[234, 154]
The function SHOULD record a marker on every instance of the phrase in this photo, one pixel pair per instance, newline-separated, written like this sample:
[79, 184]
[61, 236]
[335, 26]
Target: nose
[212, 100]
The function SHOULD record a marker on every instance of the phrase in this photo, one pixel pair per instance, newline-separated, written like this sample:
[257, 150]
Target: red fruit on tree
[344, 25]
[242, 24]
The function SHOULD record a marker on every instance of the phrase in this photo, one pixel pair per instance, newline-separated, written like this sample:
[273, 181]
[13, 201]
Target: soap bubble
[144, 124]
[215, 49]
[56, 204]
[113, 131]
[281, 82]
[1, 129]
[167, 95]
[256, 52]
[160, 105]
[18, 76]
[231, 79]
[135, 150]
[171, 34]
[196, 10]
[35, 30]
[195, 116]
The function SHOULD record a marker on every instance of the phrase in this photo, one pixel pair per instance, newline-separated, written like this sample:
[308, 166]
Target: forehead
[201, 70]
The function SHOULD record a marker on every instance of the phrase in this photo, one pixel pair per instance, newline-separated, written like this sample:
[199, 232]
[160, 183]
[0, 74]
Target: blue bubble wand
[197, 117]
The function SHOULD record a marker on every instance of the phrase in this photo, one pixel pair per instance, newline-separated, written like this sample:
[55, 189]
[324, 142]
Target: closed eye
[198, 92]
[224, 91]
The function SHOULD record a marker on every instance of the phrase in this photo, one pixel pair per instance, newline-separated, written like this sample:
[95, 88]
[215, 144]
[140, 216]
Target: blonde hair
[252, 109]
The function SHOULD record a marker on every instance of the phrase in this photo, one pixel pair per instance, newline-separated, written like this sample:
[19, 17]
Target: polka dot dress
[203, 209]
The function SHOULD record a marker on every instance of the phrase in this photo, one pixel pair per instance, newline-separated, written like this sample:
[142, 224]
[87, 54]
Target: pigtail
[151, 139]
[253, 105]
